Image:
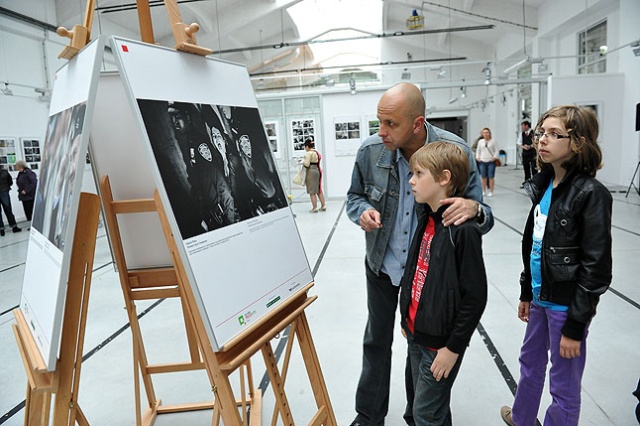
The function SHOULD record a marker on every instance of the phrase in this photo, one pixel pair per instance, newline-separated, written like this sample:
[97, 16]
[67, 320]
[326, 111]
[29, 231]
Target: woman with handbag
[486, 157]
[313, 179]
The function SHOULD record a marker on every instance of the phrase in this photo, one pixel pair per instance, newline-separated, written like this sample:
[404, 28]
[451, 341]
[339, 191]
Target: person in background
[27, 182]
[313, 179]
[6, 181]
[486, 155]
[440, 302]
[525, 143]
[566, 251]
[380, 202]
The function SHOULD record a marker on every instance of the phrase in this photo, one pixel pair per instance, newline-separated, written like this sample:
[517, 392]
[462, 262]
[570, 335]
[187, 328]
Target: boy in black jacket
[444, 287]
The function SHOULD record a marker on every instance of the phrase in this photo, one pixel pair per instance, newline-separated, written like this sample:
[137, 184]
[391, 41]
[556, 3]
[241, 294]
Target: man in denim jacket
[381, 202]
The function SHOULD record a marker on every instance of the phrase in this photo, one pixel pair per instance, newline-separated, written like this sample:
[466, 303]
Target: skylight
[314, 19]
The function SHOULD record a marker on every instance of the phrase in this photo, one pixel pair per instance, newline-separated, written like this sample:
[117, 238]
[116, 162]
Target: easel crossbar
[234, 357]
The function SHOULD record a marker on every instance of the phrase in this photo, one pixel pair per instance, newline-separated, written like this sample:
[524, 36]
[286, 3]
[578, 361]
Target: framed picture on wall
[301, 129]
[347, 135]
[271, 128]
[8, 153]
[32, 151]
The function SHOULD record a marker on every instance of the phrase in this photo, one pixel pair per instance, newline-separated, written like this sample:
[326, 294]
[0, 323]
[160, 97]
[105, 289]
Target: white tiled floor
[335, 249]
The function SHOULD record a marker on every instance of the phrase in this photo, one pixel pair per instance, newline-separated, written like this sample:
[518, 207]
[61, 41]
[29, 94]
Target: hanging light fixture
[352, 85]
[487, 73]
[7, 91]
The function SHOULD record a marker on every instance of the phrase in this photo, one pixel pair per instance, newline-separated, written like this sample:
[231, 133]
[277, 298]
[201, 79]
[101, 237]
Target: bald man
[380, 201]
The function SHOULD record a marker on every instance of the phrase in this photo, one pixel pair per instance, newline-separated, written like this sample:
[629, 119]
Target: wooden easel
[65, 380]
[236, 354]
[183, 34]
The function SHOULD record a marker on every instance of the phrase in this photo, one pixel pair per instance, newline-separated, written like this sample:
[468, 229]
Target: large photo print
[215, 163]
[55, 187]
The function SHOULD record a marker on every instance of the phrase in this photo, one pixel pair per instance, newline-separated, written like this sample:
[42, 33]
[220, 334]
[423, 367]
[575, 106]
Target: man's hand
[443, 363]
[569, 348]
[370, 220]
[459, 211]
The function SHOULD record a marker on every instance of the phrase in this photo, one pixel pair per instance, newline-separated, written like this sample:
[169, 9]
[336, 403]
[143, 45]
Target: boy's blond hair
[440, 156]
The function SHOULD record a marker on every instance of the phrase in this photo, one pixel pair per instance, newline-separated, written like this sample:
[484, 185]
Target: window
[591, 61]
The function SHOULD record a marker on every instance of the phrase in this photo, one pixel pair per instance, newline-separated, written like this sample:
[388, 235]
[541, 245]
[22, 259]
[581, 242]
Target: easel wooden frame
[65, 380]
[183, 34]
[236, 354]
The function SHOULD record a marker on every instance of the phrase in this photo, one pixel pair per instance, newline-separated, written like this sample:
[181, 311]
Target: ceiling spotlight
[487, 73]
[635, 46]
[406, 75]
[352, 85]
[6, 90]
[463, 92]
[442, 73]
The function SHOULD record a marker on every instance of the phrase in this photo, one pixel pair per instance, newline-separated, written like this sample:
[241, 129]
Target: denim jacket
[375, 184]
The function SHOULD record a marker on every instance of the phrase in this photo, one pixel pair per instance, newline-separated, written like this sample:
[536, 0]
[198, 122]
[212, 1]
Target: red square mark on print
[125, 48]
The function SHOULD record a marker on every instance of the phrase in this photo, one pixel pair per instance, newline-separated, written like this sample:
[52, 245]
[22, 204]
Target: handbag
[300, 177]
[497, 160]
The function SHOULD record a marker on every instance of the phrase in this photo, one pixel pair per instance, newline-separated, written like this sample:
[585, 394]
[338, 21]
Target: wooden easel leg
[285, 366]
[37, 408]
[314, 372]
[277, 384]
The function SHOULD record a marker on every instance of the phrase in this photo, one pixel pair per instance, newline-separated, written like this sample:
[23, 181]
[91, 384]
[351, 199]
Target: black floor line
[88, 355]
[264, 383]
[611, 289]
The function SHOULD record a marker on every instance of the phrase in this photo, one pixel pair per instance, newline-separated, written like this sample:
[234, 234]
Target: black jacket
[455, 291]
[5, 180]
[576, 246]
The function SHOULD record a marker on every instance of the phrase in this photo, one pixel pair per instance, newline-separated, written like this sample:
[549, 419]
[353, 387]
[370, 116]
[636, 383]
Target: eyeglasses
[551, 136]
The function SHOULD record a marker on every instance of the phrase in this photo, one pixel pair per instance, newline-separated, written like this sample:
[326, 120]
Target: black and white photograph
[215, 162]
[55, 186]
[301, 129]
[31, 148]
[271, 127]
[347, 130]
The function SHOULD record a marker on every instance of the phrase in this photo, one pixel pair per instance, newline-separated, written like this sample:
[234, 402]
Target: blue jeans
[487, 169]
[5, 202]
[431, 403]
[565, 375]
[372, 394]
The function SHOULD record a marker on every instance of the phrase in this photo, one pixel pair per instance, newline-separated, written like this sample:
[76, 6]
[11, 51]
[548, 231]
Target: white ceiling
[243, 25]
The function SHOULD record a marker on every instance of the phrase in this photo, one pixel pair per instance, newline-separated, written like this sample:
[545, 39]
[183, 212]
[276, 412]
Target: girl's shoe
[323, 208]
[313, 210]
[505, 413]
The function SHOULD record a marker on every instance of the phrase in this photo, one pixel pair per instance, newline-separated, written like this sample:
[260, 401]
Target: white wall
[338, 168]
[606, 91]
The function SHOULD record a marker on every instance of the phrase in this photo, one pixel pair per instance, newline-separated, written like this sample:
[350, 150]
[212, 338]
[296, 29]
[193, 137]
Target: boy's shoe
[16, 229]
[505, 413]
[490, 194]
[1, 232]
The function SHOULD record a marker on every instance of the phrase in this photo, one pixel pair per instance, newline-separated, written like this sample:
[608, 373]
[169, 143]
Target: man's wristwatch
[480, 213]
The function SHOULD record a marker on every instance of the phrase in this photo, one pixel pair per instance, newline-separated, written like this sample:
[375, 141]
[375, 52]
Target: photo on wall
[31, 150]
[271, 128]
[301, 129]
[8, 153]
[215, 162]
[54, 192]
[347, 135]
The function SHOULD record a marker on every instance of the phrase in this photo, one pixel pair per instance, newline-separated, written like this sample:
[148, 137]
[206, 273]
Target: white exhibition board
[210, 159]
[57, 197]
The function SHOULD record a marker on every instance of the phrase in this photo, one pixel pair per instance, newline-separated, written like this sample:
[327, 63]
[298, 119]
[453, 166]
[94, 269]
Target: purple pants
[565, 376]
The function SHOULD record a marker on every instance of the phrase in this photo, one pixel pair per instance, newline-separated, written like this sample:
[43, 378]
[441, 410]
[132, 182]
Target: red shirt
[422, 268]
